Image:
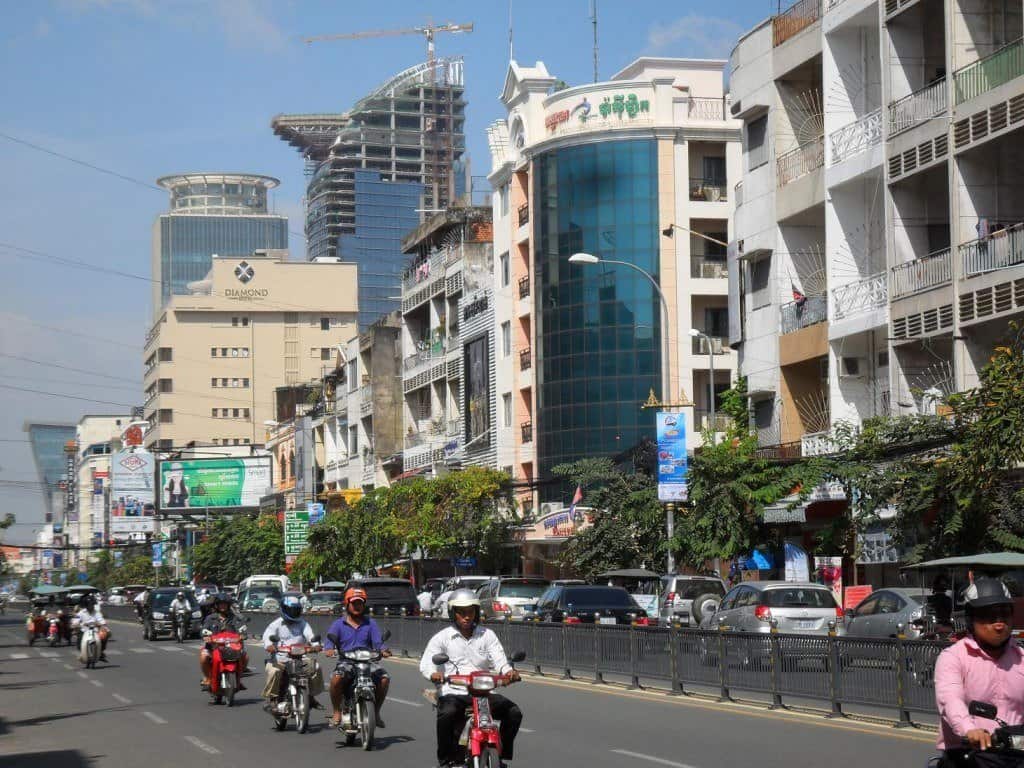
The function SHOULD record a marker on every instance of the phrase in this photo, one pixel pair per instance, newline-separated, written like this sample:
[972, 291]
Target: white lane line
[82, 675]
[68, 667]
[202, 745]
[142, 650]
[97, 683]
[155, 718]
[48, 654]
[170, 648]
[113, 652]
[650, 758]
[527, 730]
[122, 699]
[19, 655]
[406, 703]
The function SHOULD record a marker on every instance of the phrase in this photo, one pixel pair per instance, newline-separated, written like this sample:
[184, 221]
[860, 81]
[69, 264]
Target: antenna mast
[593, 20]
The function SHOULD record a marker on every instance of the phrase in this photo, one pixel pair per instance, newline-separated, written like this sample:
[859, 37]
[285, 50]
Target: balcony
[796, 315]
[527, 431]
[794, 20]
[524, 287]
[523, 214]
[454, 428]
[706, 109]
[423, 272]
[524, 360]
[990, 72]
[862, 296]
[799, 162]
[714, 345]
[893, 7]
[918, 107]
[857, 137]
[705, 268]
[1000, 250]
[702, 419]
[709, 190]
[817, 444]
[922, 274]
[423, 358]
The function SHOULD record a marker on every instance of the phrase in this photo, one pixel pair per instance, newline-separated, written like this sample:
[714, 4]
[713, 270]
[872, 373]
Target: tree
[101, 571]
[238, 547]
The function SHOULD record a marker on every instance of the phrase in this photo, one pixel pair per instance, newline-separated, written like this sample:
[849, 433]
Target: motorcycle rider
[179, 603]
[290, 629]
[470, 648]
[223, 619]
[355, 630]
[983, 666]
[90, 611]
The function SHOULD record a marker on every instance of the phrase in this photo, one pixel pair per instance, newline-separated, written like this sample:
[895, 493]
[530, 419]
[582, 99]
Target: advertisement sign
[132, 493]
[214, 483]
[69, 471]
[296, 531]
[158, 554]
[315, 510]
[672, 460]
[478, 386]
[796, 562]
[557, 525]
[829, 571]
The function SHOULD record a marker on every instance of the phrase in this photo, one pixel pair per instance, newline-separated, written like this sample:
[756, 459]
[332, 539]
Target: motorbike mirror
[386, 636]
[334, 639]
[316, 639]
[518, 656]
[982, 709]
[440, 659]
[273, 639]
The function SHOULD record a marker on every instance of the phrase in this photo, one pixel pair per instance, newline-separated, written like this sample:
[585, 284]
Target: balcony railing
[1000, 250]
[919, 106]
[990, 72]
[817, 444]
[524, 214]
[423, 271]
[527, 431]
[852, 139]
[894, 6]
[794, 20]
[862, 296]
[524, 287]
[710, 269]
[796, 315]
[524, 360]
[921, 274]
[702, 420]
[711, 190]
[715, 345]
[706, 108]
[454, 427]
[423, 357]
[799, 162]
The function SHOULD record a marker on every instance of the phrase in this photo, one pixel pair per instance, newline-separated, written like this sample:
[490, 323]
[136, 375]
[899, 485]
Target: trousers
[275, 679]
[451, 718]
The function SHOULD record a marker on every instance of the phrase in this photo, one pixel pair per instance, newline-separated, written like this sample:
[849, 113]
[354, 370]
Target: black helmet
[221, 597]
[985, 593]
[88, 601]
[291, 608]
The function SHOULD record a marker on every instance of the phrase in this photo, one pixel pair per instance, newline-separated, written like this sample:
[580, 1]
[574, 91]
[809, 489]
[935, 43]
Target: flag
[798, 298]
[576, 499]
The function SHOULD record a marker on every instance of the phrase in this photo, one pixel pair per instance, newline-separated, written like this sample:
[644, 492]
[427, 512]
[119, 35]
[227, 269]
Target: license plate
[804, 624]
[607, 620]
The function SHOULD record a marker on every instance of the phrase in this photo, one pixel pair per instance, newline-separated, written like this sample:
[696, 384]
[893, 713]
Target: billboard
[132, 493]
[478, 389]
[214, 483]
[672, 460]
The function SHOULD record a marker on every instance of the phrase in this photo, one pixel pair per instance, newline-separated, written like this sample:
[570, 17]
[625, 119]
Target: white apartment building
[878, 229]
[97, 438]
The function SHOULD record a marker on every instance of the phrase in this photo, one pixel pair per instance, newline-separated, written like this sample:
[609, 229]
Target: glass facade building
[385, 212]
[598, 327]
[47, 441]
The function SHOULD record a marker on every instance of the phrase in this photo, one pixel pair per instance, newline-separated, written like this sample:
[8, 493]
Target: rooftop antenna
[510, 54]
[593, 20]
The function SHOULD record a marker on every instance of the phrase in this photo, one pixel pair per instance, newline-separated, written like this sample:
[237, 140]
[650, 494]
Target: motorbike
[1007, 750]
[359, 711]
[480, 735]
[226, 671]
[181, 620]
[295, 702]
[53, 629]
[90, 644]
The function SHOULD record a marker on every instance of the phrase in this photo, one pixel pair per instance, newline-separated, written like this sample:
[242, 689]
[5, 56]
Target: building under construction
[410, 129]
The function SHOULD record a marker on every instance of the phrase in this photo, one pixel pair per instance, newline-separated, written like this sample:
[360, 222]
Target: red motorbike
[226, 674]
[480, 735]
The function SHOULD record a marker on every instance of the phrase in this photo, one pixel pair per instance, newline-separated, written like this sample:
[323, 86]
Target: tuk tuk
[49, 607]
[644, 586]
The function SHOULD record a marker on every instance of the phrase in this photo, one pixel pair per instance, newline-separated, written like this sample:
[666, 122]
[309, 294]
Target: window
[245, 414]
[223, 351]
[213, 382]
[234, 382]
[757, 143]
[716, 322]
[166, 386]
[166, 416]
[353, 441]
[234, 351]
[763, 412]
[237, 441]
[240, 322]
[245, 351]
[213, 351]
[506, 339]
[325, 353]
[325, 323]
[245, 441]
[166, 355]
[506, 409]
[760, 283]
[291, 465]
[351, 375]
[714, 170]
[245, 383]
[503, 199]
[213, 413]
[506, 277]
[236, 412]
[234, 322]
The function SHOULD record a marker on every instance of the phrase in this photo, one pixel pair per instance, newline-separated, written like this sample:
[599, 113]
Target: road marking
[650, 758]
[97, 683]
[202, 745]
[407, 703]
[169, 648]
[48, 654]
[527, 730]
[122, 699]
[68, 667]
[155, 718]
[113, 652]
[82, 675]
[19, 655]
[141, 650]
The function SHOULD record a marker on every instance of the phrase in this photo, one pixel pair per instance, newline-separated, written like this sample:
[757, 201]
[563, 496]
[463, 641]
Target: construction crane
[429, 31]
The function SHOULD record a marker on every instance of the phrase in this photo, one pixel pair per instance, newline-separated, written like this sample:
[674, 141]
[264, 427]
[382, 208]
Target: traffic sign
[296, 531]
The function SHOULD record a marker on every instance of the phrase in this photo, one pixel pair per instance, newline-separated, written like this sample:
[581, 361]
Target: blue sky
[152, 87]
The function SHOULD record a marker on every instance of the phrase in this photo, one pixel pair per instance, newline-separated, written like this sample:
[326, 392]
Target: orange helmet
[355, 593]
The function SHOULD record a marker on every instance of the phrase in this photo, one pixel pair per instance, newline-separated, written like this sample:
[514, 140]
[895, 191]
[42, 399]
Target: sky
[138, 89]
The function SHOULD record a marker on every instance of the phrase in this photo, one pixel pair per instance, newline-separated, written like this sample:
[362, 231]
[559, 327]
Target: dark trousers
[964, 758]
[451, 718]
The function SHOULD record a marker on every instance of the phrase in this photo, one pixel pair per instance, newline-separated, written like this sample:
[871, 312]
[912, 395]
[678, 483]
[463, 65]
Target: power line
[62, 367]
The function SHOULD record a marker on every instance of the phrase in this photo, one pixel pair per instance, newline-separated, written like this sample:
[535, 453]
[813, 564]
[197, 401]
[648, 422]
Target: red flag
[576, 499]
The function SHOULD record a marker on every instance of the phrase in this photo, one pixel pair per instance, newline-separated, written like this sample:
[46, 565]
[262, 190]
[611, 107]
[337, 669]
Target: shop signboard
[672, 459]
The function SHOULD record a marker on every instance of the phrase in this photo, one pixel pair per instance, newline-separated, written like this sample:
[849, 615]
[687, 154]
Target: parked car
[457, 582]
[325, 602]
[510, 596]
[798, 607]
[589, 604]
[156, 616]
[688, 599]
[116, 596]
[880, 613]
[259, 598]
[131, 590]
[384, 594]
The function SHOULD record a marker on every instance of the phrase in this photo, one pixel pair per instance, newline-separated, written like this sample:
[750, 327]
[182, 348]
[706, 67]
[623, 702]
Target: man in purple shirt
[985, 666]
[355, 630]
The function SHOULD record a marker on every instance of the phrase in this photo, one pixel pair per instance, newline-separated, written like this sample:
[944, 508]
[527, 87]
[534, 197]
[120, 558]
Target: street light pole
[666, 374]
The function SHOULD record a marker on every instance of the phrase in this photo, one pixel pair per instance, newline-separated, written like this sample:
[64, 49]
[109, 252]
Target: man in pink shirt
[985, 666]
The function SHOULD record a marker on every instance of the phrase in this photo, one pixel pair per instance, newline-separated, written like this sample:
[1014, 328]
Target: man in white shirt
[290, 629]
[426, 601]
[470, 648]
[91, 612]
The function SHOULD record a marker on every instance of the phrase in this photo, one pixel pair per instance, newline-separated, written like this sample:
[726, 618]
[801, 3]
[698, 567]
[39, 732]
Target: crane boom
[428, 31]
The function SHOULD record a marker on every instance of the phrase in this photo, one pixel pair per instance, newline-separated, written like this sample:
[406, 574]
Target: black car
[589, 604]
[156, 613]
[388, 594]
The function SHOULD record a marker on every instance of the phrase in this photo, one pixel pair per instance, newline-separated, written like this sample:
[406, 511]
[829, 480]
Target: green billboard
[214, 483]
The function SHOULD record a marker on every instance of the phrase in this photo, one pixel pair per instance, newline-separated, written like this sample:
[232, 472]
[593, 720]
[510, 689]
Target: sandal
[335, 720]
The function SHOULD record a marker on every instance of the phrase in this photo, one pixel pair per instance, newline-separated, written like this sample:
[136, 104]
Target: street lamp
[711, 386]
[666, 375]
[671, 228]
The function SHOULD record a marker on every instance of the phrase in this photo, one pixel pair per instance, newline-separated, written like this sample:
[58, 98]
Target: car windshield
[522, 589]
[689, 589]
[600, 596]
[258, 595]
[324, 598]
[162, 600]
[798, 597]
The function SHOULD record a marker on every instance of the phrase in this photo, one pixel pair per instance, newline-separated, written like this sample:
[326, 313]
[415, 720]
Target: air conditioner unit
[851, 367]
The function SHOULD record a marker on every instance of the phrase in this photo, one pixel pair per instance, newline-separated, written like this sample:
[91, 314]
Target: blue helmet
[291, 608]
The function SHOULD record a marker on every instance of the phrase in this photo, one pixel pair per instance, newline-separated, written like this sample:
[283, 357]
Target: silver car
[688, 599]
[514, 596]
[797, 607]
[882, 612]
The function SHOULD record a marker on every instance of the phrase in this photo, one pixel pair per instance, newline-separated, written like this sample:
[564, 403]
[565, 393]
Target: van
[282, 582]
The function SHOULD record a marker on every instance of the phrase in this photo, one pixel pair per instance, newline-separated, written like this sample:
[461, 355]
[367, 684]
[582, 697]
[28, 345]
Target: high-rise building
[224, 214]
[637, 170]
[48, 442]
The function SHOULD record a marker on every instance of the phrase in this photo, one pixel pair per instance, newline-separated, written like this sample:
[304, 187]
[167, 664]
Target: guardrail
[917, 107]
[990, 72]
[929, 271]
[1000, 250]
[794, 20]
[704, 108]
[858, 136]
[799, 162]
[862, 296]
[796, 315]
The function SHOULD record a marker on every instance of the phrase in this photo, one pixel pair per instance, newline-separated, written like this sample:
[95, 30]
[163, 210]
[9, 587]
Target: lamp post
[666, 373]
[711, 385]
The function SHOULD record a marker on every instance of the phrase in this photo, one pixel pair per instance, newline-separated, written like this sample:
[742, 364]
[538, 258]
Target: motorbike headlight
[197, 614]
[157, 615]
[360, 655]
[484, 683]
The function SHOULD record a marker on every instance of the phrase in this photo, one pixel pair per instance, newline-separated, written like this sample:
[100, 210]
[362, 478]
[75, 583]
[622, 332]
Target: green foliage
[238, 547]
[101, 570]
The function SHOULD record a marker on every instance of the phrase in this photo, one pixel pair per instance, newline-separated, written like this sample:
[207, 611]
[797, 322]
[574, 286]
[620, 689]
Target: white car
[116, 596]
[457, 582]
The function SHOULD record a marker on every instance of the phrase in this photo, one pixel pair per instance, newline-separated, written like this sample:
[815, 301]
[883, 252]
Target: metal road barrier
[895, 675]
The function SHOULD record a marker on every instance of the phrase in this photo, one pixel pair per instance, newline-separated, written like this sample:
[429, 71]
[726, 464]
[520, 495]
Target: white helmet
[463, 598]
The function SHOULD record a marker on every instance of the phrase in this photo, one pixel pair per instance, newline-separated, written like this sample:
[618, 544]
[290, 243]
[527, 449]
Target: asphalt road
[145, 708]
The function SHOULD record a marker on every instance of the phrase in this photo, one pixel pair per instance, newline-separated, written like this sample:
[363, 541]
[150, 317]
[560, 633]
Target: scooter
[226, 671]
[295, 702]
[53, 630]
[91, 646]
[181, 619]
[480, 735]
[359, 716]
[1007, 740]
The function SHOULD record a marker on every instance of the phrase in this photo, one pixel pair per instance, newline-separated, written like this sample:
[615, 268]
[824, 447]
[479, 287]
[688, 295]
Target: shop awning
[983, 560]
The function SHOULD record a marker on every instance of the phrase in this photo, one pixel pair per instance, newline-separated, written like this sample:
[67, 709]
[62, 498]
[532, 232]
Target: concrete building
[449, 348]
[48, 442]
[215, 357]
[638, 169]
[96, 439]
[211, 214]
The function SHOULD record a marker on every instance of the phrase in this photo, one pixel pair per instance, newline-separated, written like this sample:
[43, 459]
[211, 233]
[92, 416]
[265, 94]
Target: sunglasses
[993, 615]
